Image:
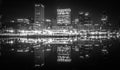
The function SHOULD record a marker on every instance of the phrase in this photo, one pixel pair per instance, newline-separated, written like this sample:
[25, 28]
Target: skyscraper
[104, 19]
[39, 14]
[84, 18]
[81, 17]
[64, 16]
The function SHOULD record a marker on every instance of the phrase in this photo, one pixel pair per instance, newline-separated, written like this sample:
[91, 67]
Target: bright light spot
[87, 13]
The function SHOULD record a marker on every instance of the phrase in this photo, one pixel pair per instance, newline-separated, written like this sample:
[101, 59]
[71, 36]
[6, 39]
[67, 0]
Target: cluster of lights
[57, 32]
[63, 51]
[60, 40]
[47, 40]
[64, 54]
[63, 16]
[23, 20]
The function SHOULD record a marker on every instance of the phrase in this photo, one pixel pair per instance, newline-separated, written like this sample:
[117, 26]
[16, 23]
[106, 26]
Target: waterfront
[88, 52]
[59, 35]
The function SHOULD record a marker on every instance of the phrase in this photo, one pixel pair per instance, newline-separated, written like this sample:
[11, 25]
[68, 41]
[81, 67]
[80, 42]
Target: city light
[58, 35]
[63, 16]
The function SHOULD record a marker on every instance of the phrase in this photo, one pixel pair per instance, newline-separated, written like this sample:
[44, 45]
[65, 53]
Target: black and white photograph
[59, 34]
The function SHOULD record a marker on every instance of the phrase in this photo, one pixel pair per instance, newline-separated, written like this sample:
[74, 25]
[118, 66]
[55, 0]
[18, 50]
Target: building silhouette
[39, 15]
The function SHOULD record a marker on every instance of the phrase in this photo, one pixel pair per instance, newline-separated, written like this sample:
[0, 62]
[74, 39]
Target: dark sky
[23, 8]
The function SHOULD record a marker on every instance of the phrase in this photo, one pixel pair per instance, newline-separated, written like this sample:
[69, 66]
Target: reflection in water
[64, 47]
[64, 53]
[39, 55]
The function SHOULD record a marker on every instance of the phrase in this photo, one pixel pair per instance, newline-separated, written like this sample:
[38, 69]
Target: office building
[64, 16]
[39, 15]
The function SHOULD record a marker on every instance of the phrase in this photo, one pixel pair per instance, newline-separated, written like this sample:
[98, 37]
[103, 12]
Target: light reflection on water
[57, 50]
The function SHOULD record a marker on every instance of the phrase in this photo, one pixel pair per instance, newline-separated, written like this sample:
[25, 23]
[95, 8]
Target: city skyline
[64, 13]
[59, 34]
[24, 8]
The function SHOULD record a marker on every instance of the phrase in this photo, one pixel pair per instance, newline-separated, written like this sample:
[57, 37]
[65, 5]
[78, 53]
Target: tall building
[39, 14]
[84, 18]
[104, 19]
[87, 18]
[81, 17]
[64, 16]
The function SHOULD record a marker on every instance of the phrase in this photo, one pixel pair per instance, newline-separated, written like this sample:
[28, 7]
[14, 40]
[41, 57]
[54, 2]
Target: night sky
[24, 8]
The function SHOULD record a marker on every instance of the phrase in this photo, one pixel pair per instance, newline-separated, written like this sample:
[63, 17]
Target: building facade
[64, 16]
[39, 15]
